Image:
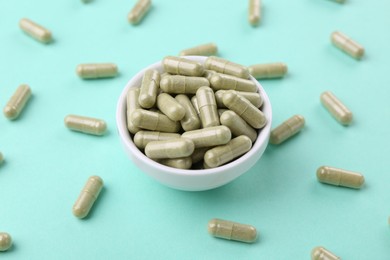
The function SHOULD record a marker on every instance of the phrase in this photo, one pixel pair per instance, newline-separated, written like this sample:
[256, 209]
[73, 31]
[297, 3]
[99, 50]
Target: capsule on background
[227, 82]
[154, 121]
[191, 120]
[340, 177]
[336, 108]
[178, 163]
[177, 84]
[87, 125]
[207, 49]
[142, 138]
[182, 66]
[207, 107]
[320, 253]
[17, 102]
[5, 241]
[210, 136]
[170, 107]
[252, 97]
[226, 67]
[349, 46]
[169, 149]
[88, 196]
[139, 11]
[287, 129]
[35, 30]
[97, 70]
[268, 70]
[254, 12]
[232, 230]
[132, 104]
[237, 125]
[149, 88]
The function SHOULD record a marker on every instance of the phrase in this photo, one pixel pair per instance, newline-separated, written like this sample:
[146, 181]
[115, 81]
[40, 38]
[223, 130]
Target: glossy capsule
[177, 84]
[172, 148]
[340, 177]
[17, 102]
[254, 12]
[139, 11]
[142, 138]
[320, 253]
[191, 120]
[287, 129]
[178, 163]
[268, 70]
[336, 108]
[170, 107]
[207, 49]
[207, 107]
[182, 66]
[96, 70]
[237, 125]
[87, 125]
[252, 97]
[5, 241]
[227, 82]
[88, 196]
[149, 88]
[154, 121]
[347, 45]
[132, 104]
[210, 136]
[226, 67]
[232, 230]
[35, 30]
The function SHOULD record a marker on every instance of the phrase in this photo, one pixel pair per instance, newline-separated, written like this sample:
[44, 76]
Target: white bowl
[191, 180]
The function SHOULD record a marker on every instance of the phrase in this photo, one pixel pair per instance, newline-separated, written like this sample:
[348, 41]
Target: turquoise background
[137, 218]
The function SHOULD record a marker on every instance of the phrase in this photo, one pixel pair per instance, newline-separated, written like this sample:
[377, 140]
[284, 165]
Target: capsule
[142, 138]
[252, 97]
[36, 31]
[225, 153]
[87, 197]
[149, 88]
[179, 163]
[251, 114]
[320, 253]
[226, 67]
[191, 120]
[254, 12]
[237, 125]
[177, 84]
[340, 177]
[232, 230]
[97, 70]
[5, 241]
[268, 70]
[172, 148]
[194, 102]
[336, 108]
[1, 158]
[87, 125]
[17, 102]
[154, 121]
[201, 50]
[210, 136]
[198, 154]
[132, 104]
[139, 11]
[170, 107]
[228, 82]
[287, 129]
[182, 66]
[347, 45]
[207, 107]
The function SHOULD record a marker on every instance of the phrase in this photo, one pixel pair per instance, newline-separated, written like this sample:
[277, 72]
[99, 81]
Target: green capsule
[154, 121]
[132, 104]
[142, 138]
[287, 129]
[268, 71]
[182, 66]
[336, 108]
[17, 102]
[172, 148]
[149, 89]
[226, 67]
[87, 196]
[35, 30]
[254, 12]
[86, 125]
[232, 230]
[191, 120]
[227, 82]
[320, 253]
[139, 11]
[201, 50]
[207, 107]
[5, 241]
[177, 84]
[237, 125]
[97, 70]
[170, 107]
[210, 136]
[340, 177]
[252, 97]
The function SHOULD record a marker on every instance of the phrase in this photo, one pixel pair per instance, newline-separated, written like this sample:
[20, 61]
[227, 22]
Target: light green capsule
[5, 241]
[320, 253]
[210, 136]
[287, 129]
[225, 153]
[191, 119]
[182, 66]
[35, 30]
[201, 50]
[252, 97]
[340, 177]
[172, 148]
[336, 108]
[97, 70]
[237, 125]
[170, 107]
[227, 82]
[132, 104]
[1, 158]
[86, 125]
[207, 107]
[347, 45]
[154, 121]
[198, 154]
[226, 67]
[17, 102]
[142, 138]
[179, 163]
[268, 70]
[254, 12]
[149, 89]
[232, 230]
[88, 196]
[139, 11]
[251, 114]
[177, 84]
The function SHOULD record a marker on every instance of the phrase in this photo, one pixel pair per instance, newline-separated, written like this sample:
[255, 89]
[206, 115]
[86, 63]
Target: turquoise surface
[137, 218]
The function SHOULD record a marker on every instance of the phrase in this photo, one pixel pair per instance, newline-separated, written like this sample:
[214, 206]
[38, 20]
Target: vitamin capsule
[5, 241]
[347, 45]
[170, 107]
[225, 153]
[142, 138]
[252, 97]
[201, 50]
[1, 158]
[254, 14]
[207, 107]
[194, 102]
[227, 82]
[237, 125]
[226, 67]
[190, 120]
[268, 71]
[154, 121]
[172, 148]
[97, 70]
[17, 102]
[87, 125]
[340, 177]
[320, 253]
[179, 163]
[336, 108]
[208, 74]
[232, 230]
[149, 88]
[251, 114]
[132, 104]
[210, 136]
[177, 84]
[139, 11]
[181, 66]
[198, 154]
[36, 31]
[287, 129]
[87, 197]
